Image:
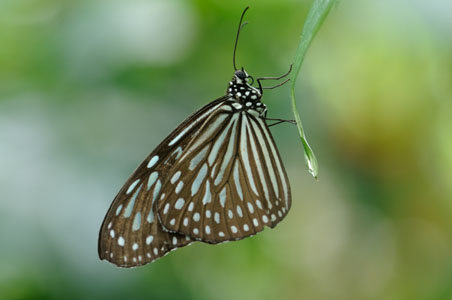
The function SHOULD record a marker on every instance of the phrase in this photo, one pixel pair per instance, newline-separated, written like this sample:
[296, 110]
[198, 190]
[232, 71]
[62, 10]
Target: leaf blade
[316, 16]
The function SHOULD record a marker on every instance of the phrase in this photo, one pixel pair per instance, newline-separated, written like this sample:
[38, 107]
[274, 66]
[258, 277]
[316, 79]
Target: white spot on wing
[223, 196]
[136, 222]
[132, 186]
[149, 239]
[153, 161]
[199, 179]
[118, 210]
[207, 196]
[250, 207]
[179, 203]
[196, 217]
[175, 177]
[239, 211]
[152, 178]
[255, 222]
[179, 186]
[121, 241]
[166, 209]
[259, 204]
[237, 179]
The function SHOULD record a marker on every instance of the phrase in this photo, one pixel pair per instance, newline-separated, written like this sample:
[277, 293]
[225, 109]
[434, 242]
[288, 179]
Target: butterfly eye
[240, 74]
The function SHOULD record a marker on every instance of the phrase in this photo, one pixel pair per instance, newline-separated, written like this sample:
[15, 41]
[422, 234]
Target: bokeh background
[89, 88]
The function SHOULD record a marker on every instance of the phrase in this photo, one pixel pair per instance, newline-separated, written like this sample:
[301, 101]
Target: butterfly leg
[275, 86]
[279, 121]
[273, 78]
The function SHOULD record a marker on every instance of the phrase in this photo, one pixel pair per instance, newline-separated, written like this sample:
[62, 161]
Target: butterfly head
[241, 89]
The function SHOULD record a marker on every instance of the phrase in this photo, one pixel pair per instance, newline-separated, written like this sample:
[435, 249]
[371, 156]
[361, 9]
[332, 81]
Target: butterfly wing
[229, 182]
[131, 234]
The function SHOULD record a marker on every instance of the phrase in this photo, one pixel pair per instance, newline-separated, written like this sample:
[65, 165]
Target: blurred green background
[89, 88]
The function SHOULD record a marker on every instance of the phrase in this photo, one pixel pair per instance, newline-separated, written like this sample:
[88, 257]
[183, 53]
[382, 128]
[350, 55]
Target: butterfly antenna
[238, 34]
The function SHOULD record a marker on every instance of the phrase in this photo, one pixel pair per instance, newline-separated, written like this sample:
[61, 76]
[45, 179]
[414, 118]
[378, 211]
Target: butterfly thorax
[244, 95]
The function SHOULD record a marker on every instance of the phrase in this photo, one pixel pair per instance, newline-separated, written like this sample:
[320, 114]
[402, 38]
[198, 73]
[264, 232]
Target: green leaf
[317, 14]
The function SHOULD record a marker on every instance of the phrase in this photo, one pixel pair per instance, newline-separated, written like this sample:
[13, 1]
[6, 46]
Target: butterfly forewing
[131, 234]
[229, 182]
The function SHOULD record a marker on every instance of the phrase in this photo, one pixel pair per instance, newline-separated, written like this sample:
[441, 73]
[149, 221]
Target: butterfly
[217, 177]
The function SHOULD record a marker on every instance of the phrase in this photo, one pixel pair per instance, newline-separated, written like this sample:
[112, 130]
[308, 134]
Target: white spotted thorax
[244, 96]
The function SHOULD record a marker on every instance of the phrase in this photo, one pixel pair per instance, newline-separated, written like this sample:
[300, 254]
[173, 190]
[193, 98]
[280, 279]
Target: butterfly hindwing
[131, 234]
[229, 182]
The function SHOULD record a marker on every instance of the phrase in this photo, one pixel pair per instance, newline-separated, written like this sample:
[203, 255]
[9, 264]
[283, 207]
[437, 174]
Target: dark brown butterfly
[217, 177]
